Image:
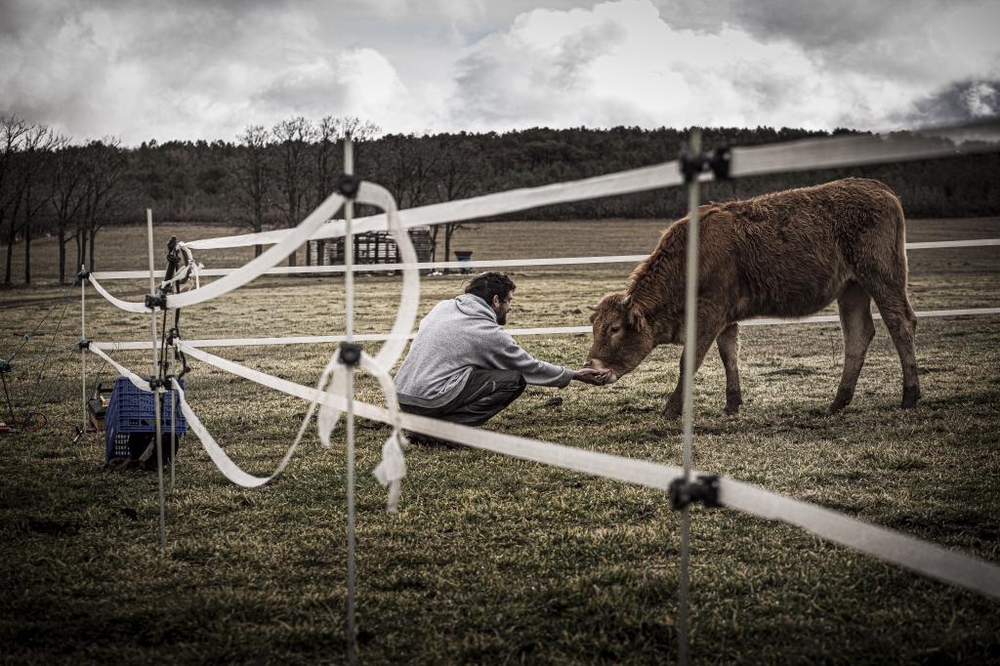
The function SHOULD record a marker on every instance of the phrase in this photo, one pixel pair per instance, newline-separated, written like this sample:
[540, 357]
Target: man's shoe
[427, 440]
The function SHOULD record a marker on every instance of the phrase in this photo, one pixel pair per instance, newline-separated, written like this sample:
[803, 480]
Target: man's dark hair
[490, 284]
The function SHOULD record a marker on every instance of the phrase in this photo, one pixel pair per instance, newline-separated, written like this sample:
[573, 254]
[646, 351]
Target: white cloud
[620, 63]
[205, 70]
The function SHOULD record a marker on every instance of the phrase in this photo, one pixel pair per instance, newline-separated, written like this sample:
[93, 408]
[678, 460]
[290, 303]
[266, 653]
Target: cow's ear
[636, 318]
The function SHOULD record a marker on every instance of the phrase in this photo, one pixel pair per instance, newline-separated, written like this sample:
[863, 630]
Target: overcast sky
[147, 69]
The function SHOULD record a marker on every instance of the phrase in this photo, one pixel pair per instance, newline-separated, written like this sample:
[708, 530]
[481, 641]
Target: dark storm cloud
[812, 24]
[894, 38]
[960, 102]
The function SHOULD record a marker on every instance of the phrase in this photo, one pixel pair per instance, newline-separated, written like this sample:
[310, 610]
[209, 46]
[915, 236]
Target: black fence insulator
[5, 366]
[705, 489]
[348, 185]
[83, 344]
[81, 278]
[173, 259]
[717, 161]
[720, 161]
[154, 301]
[350, 354]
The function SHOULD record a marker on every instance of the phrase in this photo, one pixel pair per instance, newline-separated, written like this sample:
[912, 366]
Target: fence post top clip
[717, 161]
[348, 185]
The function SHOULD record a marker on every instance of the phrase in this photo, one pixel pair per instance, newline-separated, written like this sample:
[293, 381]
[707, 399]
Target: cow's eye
[614, 329]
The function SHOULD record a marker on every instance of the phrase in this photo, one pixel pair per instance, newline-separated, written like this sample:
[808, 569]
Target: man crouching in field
[464, 367]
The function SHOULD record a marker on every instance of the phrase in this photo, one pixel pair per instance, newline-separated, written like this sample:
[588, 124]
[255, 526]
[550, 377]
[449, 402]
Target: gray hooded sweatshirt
[455, 337]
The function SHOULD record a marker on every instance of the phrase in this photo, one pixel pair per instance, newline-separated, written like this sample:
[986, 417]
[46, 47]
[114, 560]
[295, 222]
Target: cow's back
[790, 253]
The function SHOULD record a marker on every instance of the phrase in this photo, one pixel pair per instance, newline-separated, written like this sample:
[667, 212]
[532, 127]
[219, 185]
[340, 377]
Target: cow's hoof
[733, 402]
[840, 401]
[910, 397]
[671, 412]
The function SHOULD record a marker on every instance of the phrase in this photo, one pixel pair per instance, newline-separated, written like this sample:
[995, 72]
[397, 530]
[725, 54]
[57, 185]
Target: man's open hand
[591, 376]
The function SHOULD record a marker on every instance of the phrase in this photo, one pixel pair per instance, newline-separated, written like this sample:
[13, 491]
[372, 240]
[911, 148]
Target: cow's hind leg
[902, 324]
[729, 349]
[856, 322]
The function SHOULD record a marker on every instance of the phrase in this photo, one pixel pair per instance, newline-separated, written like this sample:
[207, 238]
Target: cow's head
[622, 337]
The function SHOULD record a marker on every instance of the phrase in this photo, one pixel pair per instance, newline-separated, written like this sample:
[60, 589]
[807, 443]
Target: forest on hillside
[52, 185]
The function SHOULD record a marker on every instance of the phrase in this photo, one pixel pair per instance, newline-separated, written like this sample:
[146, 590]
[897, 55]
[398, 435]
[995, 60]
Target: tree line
[272, 177]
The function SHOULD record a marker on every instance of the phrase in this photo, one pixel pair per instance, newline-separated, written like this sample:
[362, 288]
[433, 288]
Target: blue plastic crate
[132, 411]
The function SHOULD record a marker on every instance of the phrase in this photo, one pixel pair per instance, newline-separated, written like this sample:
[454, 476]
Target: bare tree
[459, 170]
[252, 175]
[66, 194]
[325, 157]
[395, 165]
[330, 132]
[12, 132]
[35, 158]
[293, 137]
[328, 155]
[104, 164]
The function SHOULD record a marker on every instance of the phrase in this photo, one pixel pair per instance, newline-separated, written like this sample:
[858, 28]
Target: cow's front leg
[675, 404]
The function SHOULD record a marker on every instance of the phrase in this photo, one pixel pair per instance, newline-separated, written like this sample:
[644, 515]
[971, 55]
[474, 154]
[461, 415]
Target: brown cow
[785, 254]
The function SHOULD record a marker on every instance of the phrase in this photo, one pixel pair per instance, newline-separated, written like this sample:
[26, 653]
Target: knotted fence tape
[390, 470]
[191, 268]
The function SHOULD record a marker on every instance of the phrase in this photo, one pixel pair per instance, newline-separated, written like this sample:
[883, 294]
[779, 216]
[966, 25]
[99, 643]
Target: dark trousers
[486, 394]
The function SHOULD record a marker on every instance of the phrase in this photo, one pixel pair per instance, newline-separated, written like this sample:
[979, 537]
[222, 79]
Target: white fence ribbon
[409, 297]
[923, 557]
[315, 396]
[270, 258]
[392, 468]
[290, 241]
[859, 149]
[137, 381]
[127, 306]
[634, 180]
[492, 263]
[553, 330]
[225, 464]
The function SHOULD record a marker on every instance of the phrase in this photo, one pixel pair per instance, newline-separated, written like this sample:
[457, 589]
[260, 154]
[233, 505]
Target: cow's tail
[899, 222]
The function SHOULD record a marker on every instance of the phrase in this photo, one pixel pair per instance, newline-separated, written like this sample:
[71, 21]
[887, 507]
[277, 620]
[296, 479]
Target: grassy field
[493, 560]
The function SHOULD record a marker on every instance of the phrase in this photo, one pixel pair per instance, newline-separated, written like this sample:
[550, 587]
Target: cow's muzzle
[608, 376]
